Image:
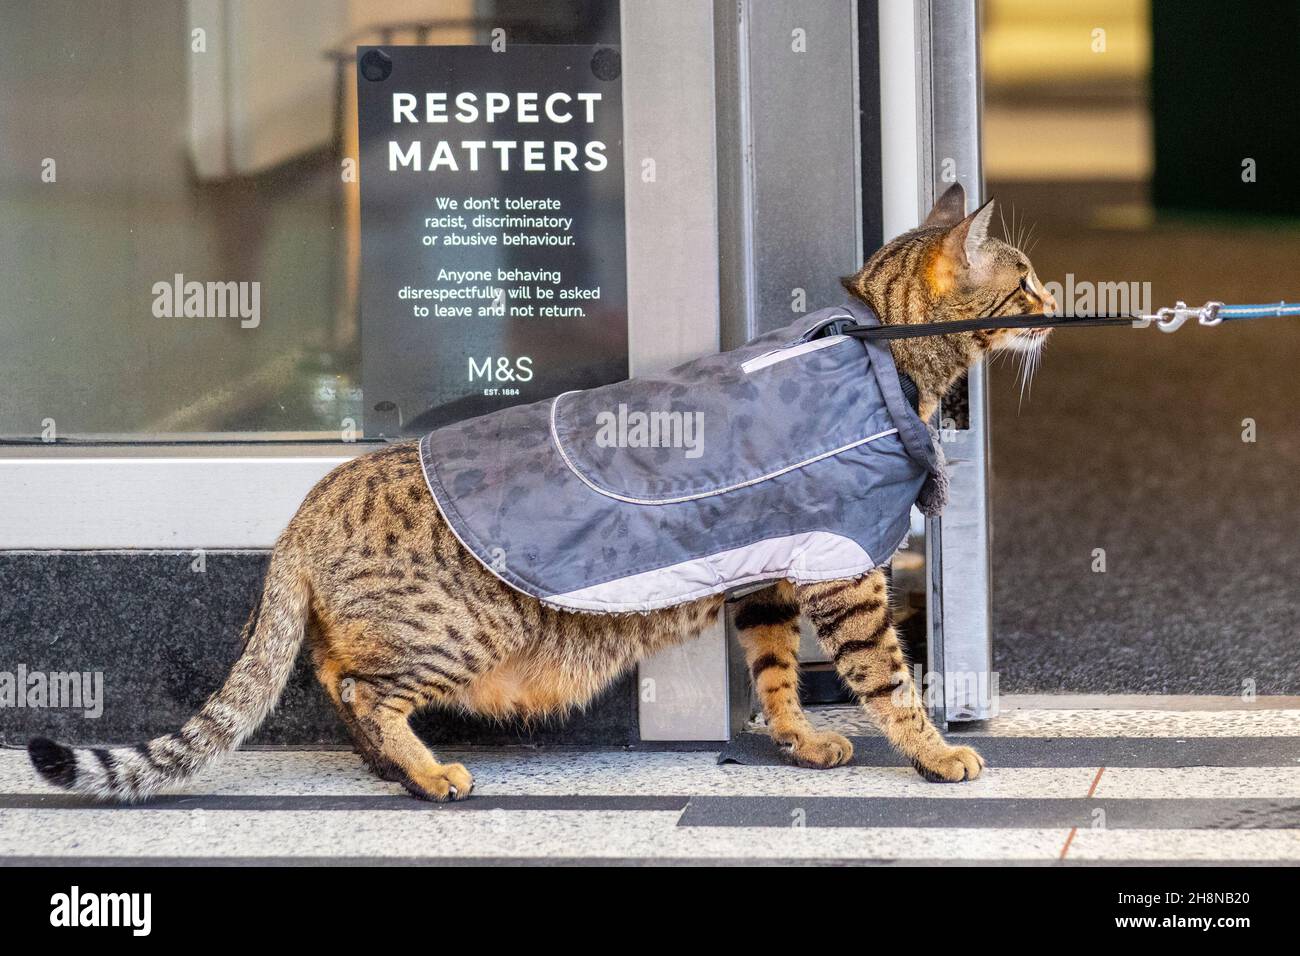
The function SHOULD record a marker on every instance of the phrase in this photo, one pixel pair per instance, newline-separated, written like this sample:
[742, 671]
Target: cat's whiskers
[1028, 365]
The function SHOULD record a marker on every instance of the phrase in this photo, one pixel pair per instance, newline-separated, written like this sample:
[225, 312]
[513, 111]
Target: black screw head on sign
[606, 64]
[376, 65]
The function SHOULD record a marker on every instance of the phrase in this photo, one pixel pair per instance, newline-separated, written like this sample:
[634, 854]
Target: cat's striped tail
[275, 633]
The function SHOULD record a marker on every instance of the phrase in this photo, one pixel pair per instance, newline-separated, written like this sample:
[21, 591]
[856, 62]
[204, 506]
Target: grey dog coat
[795, 456]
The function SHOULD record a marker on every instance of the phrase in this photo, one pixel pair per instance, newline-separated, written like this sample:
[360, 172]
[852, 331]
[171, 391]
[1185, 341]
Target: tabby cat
[398, 616]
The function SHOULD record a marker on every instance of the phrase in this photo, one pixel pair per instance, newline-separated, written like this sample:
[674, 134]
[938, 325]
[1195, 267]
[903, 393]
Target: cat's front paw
[949, 765]
[819, 749]
[442, 783]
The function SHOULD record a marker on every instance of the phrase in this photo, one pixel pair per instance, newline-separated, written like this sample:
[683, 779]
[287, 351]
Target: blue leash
[1277, 310]
[1212, 313]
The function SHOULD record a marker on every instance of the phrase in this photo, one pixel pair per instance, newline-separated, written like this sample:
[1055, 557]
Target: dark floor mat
[1130, 444]
[1003, 812]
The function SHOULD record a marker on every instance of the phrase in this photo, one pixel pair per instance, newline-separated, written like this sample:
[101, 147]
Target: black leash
[1026, 321]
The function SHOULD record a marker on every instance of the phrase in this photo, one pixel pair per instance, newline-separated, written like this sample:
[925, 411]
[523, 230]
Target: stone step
[158, 631]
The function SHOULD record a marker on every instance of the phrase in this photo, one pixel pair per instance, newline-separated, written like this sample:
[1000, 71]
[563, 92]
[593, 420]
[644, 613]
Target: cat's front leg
[767, 626]
[855, 627]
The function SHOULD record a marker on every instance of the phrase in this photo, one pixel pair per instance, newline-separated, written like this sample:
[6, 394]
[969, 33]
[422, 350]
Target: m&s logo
[501, 369]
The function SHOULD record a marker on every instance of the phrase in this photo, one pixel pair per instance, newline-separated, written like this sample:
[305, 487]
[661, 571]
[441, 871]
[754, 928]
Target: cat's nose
[1049, 303]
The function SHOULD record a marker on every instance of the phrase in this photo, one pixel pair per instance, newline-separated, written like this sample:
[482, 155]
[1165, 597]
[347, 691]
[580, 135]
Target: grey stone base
[163, 637]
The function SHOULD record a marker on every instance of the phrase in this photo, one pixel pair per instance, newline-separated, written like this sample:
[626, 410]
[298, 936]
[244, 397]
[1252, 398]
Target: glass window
[180, 253]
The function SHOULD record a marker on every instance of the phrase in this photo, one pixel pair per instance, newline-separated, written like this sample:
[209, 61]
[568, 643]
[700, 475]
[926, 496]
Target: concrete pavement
[1201, 784]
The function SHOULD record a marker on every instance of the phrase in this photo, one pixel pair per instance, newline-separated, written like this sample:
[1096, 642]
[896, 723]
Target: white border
[777, 356]
[785, 557]
[210, 498]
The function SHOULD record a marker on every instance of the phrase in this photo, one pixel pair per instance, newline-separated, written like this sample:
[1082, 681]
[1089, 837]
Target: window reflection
[181, 247]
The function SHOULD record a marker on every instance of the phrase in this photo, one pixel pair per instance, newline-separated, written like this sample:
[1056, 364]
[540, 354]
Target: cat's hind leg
[382, 719]
[341, 691]
[856, 629]
[375, 696]
[767, 625]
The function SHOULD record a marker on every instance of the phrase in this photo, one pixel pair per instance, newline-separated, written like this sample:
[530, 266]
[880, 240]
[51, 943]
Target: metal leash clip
[1172, 319]
[1209, 313]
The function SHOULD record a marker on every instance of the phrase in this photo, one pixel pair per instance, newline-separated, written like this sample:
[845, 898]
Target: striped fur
[399, 617]
[947, 269]
[856, 630]
[767, 625]
[229, 716]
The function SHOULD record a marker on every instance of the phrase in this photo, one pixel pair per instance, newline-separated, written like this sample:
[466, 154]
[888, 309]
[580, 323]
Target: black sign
[492, 229]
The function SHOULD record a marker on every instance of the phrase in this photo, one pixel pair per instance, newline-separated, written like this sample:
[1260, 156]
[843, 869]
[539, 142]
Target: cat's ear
[949, 208]
[964, 239]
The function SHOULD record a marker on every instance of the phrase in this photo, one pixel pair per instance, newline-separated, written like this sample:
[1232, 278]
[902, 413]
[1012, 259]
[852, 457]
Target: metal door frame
[929, 88]
[703, 84]
[957, 545]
